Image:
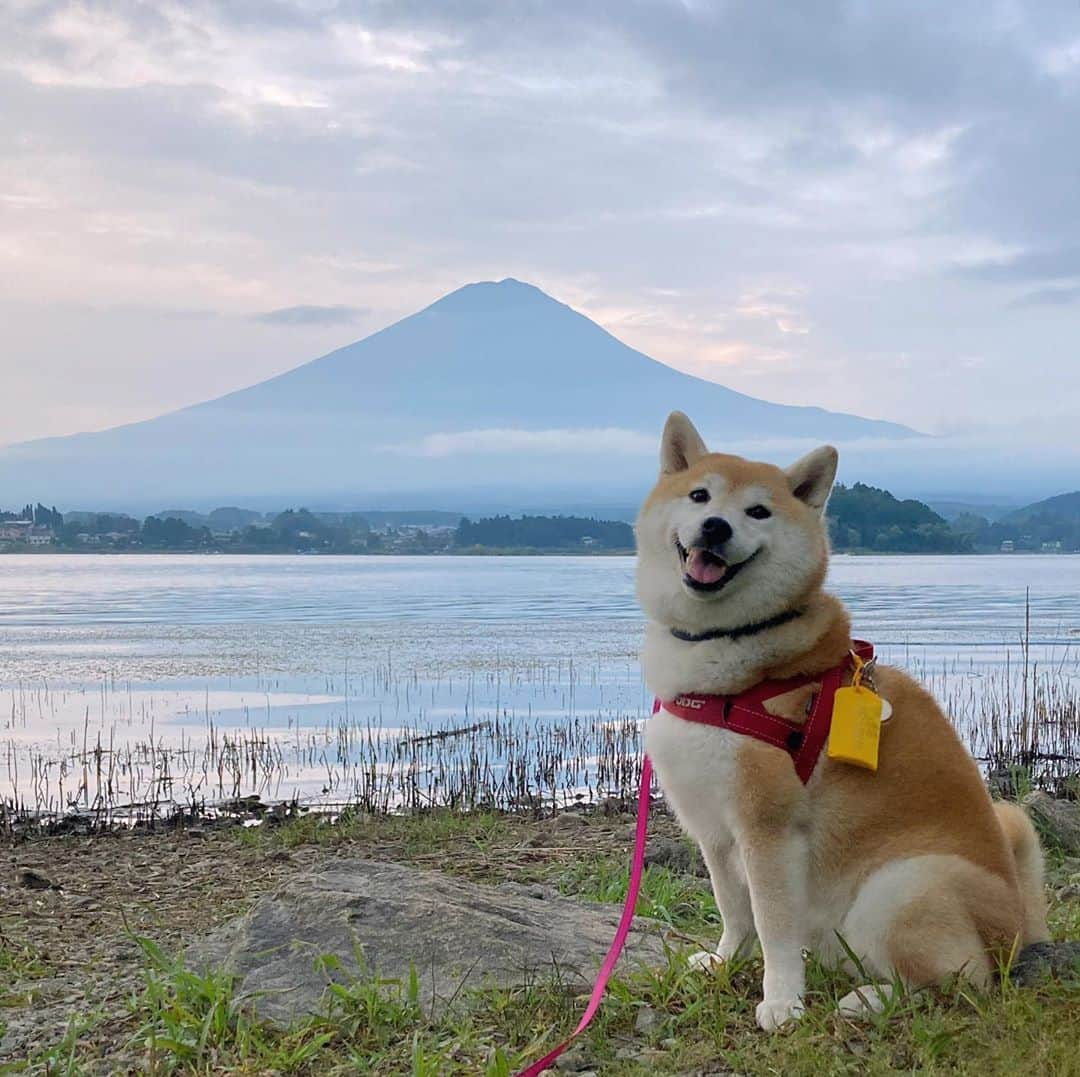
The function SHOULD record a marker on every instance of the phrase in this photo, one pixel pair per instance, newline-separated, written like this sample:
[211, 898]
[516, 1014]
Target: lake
[128, 681]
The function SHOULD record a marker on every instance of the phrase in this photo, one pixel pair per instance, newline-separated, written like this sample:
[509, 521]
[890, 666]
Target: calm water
[150, 654]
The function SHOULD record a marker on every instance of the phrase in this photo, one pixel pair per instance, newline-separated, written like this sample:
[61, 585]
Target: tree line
[864, 517]
[38, 515]
[861, 518]
[544, 533]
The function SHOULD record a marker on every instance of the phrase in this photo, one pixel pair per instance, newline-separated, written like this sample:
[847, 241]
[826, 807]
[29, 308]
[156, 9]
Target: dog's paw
[866, 1000]
[772, 1013]
[705, 961]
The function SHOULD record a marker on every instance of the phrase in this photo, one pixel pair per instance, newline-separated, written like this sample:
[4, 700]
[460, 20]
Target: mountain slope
[1061, 507]
[471, 392]
[507, 355]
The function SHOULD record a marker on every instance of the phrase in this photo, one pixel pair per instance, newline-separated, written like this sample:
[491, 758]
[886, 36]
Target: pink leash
[637, 866]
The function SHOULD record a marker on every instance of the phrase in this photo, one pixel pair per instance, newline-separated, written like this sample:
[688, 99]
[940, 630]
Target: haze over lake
[149, 654]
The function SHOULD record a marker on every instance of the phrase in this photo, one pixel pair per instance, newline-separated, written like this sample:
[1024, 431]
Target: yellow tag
[856, 727]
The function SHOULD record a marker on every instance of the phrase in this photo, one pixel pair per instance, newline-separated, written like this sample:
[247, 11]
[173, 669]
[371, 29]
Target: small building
[1051, 547]
[16, 530]
[1008, 546]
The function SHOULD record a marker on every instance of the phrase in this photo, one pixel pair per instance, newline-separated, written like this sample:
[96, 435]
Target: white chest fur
[696, 767]
[721, 666]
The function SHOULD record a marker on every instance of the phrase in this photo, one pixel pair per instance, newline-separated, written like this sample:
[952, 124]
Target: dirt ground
[69, 907]
[72, 910]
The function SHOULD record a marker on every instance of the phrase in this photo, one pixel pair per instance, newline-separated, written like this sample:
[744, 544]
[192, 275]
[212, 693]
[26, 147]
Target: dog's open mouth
[704, 570]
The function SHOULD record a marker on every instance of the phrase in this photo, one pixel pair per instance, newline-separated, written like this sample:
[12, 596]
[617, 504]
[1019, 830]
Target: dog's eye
[700, 495]
[758, 512]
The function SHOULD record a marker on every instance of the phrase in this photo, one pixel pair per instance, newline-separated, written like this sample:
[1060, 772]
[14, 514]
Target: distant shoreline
[494, 552]
[481, 552]
[862, 520]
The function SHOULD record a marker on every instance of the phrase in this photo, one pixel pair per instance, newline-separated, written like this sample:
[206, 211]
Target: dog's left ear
[811, 478]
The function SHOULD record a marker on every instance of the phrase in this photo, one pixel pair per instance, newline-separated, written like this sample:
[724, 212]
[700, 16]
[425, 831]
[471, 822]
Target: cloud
[1061, 296]
[843, 166]
[1059, 263]
[492, 442]
[311, 316]
[613, 441]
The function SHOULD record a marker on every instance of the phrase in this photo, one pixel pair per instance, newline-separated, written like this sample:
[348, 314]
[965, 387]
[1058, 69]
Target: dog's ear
[811, 478]
[681, 445]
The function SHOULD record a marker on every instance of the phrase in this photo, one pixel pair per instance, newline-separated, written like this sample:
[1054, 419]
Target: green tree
[173, 534]
[544, 533]
[865, 517]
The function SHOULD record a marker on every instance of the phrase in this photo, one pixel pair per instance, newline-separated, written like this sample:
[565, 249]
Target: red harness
[745, 713]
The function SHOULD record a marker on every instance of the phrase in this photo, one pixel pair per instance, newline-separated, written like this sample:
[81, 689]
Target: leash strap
[863, 652]
[637, 866]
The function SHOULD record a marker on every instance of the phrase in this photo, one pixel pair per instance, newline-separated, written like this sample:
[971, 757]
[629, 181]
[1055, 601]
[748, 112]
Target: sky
[868, 206]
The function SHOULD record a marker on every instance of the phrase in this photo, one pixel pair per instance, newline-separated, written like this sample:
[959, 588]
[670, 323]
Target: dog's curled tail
[1023, 839]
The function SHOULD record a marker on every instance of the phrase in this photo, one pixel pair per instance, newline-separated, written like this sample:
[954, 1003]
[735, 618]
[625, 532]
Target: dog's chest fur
[696, 765]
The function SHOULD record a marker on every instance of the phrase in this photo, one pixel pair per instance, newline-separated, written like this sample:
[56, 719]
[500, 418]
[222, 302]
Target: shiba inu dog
[912, 866]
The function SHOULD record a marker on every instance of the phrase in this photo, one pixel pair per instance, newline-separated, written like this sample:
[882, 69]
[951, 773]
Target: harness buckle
[869, 666]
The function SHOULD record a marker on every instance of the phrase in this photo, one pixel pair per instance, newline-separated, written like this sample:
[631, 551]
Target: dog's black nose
[716, 530]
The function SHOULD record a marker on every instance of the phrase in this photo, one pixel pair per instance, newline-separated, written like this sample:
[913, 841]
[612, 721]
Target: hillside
[863, 517]
[1063, 507]
[1051, 525]
[860, 517]
[495, 386]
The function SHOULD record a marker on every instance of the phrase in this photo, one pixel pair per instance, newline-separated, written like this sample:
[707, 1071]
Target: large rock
[456, 934]
[1046, 960]
[1059, 820]
[675, 854]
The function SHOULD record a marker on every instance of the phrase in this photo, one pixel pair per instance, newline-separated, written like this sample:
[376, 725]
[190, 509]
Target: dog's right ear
[681, 445]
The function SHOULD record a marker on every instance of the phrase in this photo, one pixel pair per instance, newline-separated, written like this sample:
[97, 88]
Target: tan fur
[915, 861]
[1024, 843]
[926, 797]
[825, 652]
[738, 472]
[793, 706]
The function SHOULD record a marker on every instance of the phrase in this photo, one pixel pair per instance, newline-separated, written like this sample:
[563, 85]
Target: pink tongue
[700, 567]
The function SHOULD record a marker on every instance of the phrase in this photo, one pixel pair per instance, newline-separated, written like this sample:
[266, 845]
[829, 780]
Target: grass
[422, 832]
[682, 902]
[196, 1024]
[20, 962]
[20, 966]
[184, 1021]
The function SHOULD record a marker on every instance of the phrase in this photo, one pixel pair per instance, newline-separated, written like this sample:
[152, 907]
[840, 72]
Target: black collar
[738, 633]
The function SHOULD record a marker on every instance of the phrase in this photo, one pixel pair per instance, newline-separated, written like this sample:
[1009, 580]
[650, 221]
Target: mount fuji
[495, 393]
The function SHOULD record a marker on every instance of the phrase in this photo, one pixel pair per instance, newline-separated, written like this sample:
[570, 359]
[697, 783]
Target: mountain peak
[495, 385]
[487, 296]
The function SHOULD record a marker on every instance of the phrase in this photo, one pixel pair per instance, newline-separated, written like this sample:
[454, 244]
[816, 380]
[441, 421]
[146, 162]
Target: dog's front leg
[777, 864]
[728, 876]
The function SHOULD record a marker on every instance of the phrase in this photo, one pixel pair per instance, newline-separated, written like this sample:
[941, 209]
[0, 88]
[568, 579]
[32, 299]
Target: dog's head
[724, 541]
